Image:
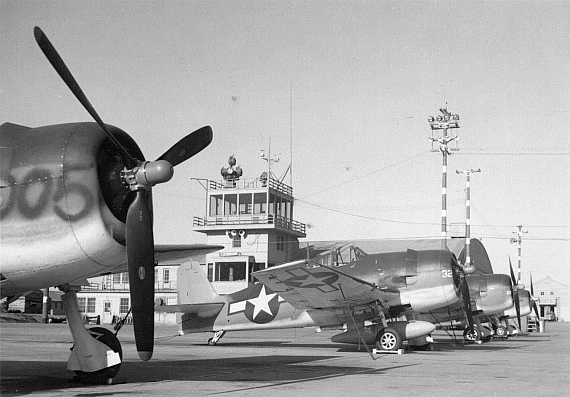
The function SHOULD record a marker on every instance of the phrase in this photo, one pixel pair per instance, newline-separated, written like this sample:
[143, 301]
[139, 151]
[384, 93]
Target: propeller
[140, 176]
[463, 287]
[515, 293]
[533, 299]
[464, 290]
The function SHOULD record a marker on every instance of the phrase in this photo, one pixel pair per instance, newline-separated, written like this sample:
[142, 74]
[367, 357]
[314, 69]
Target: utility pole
[518, 240]
[443, 123]
[467, 264]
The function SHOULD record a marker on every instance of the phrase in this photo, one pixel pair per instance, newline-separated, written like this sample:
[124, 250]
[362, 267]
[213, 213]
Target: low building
[554, 299]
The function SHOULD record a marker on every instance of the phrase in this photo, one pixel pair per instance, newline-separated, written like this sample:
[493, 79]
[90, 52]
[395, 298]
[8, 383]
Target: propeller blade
[534, 305]
[188, 146]
[513, 278]
[515, 293]
[140, 259]
[57, 62]
[464, 290]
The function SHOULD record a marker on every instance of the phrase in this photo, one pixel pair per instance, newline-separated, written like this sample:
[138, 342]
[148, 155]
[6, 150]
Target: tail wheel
[104, 375]
[501, 331]
[472, 336]
[388, 339]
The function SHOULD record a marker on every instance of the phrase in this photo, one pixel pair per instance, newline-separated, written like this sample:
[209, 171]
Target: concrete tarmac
[33, 360]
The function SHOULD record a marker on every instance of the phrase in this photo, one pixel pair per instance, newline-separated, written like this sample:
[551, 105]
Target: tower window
[236, 241]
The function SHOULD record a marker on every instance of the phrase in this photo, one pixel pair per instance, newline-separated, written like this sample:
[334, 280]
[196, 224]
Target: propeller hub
[469, 269]
[148, 173]
[155, 172]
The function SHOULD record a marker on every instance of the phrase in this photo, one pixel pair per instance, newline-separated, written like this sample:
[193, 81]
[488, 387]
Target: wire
[367, 217]
[365, 175]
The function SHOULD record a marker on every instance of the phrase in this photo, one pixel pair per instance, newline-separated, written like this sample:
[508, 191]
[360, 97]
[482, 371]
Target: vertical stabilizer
[193, 285]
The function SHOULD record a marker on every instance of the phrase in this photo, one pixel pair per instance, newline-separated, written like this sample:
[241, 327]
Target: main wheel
[104, 375]
[388, 339]
[472, 336]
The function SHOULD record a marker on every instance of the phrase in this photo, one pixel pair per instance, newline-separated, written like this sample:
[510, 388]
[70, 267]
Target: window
[230, 204]
[281, 243]
[254, 267]
[259, 203]
[210, 272]
[236, 241]
[216, 204]
[272, 199]
[541, 292]
[124, 306]
[107, 307]
[230, 271]
[166, 276]
[90, 305]
[81, 302]
[245, 203]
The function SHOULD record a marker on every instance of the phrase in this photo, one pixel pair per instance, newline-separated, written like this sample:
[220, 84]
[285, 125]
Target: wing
[173, 252]
[307, 285]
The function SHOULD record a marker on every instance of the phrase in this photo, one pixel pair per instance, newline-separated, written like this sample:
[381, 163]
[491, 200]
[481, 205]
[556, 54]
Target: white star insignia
[261, 303]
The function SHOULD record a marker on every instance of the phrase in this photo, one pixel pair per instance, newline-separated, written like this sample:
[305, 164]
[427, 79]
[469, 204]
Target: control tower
[253, 220]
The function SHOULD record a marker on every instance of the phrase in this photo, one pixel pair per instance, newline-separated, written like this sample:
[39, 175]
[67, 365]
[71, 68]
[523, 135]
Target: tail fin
[194, 287]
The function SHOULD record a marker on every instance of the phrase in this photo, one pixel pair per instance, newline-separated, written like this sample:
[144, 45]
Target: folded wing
[308, 285]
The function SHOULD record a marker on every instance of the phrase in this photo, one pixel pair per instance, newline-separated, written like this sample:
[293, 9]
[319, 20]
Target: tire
[472, 336]
[105, 375]
[388, 339]
[501, 331]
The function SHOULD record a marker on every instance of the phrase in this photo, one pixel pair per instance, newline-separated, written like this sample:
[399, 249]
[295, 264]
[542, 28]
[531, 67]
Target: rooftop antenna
[291, 134]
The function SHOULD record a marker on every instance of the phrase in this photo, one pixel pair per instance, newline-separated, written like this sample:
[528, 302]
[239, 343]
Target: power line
[365, 175]
[515, 153]
[364, 216]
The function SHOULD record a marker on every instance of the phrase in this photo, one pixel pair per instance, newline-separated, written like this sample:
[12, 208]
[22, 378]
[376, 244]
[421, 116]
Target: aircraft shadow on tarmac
[268, 371]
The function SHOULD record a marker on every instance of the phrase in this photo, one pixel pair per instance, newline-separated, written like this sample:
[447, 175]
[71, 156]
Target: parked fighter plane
[76, 203]
[357, 296]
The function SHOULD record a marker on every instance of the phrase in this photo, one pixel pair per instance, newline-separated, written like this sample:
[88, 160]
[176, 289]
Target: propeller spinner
[140, 176]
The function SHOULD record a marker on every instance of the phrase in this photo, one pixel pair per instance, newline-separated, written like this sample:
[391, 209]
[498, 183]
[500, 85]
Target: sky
[340, 89]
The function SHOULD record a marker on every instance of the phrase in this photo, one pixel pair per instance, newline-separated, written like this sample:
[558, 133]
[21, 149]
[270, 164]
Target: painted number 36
[446, 273]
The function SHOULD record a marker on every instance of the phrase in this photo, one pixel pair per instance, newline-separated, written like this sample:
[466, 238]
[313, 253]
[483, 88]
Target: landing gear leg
[96, 354]
[217, 336]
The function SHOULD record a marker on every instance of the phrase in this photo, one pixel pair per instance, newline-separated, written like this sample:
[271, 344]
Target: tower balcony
[249, 221]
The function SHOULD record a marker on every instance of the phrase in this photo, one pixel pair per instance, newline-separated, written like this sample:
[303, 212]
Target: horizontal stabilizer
[201, 309]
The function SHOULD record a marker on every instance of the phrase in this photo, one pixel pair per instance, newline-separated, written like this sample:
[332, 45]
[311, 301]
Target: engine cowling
[491, 293]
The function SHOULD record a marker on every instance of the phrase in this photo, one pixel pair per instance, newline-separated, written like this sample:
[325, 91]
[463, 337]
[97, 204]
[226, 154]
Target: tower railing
[250, 219]
[257, 183]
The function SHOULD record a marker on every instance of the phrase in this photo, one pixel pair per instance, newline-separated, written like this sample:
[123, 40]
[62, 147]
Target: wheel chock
[380, 351]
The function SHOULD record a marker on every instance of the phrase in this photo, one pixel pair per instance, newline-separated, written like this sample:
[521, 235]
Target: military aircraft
[358, 296]
[76, 203]
[495, 298]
